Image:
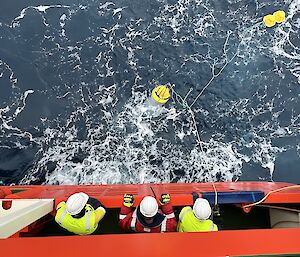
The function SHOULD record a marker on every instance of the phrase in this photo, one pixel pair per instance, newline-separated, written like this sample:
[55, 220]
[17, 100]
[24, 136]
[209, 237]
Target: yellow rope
[271, 192]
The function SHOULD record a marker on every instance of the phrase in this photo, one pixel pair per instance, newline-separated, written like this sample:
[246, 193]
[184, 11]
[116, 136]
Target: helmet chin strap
[80, 214]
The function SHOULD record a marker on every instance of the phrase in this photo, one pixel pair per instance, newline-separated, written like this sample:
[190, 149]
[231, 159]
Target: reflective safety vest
[189, 223]
[81, 226]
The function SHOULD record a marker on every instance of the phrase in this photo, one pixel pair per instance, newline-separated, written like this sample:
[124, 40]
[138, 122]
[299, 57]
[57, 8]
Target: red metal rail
[112, 195]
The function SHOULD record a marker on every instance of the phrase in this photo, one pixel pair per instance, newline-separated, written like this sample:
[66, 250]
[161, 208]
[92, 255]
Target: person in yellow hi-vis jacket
[80, 214]
[196, 219]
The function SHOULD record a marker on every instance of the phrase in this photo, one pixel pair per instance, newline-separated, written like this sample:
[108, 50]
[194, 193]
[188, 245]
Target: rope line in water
[183, 100]
[225, 50]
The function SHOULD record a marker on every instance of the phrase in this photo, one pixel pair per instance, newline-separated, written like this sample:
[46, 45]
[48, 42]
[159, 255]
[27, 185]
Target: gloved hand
[165, 198]
[216, 211]
[128, 200]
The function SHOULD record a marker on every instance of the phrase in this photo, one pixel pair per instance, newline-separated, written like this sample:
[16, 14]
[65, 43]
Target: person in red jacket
[148, 217]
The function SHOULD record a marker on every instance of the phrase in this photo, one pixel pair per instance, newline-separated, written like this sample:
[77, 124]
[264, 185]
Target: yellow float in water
[279, 16]
[269, 20]
[161, 94]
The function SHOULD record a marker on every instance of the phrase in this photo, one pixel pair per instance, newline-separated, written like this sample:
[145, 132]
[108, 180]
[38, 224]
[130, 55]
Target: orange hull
[221, 243]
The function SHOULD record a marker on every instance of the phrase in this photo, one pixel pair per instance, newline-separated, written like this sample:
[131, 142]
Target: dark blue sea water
[76, 76]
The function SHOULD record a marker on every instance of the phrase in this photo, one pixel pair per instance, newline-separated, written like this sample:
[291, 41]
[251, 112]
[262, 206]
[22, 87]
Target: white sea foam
[40, 8]
[124, 157]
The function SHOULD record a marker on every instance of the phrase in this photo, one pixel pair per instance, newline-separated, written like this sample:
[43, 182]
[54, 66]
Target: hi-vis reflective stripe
[170, 216]
[184, 213]
[133, 221]
[122, 216]
[62, 217]
[88, 220]
[164, 225]
[212, 226]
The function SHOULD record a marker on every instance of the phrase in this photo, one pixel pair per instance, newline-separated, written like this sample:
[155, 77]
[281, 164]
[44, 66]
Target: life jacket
[81, 226]
[138, 225]
[157, 219]
[163, 221]
[189, 223]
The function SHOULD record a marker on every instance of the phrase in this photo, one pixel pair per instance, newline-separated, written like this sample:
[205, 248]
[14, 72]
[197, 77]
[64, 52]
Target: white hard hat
[202, 209]
[149, 206]
[76, 203]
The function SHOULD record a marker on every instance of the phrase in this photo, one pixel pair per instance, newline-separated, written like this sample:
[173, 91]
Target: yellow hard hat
[161, 94]
[279, 16]
[269, 20]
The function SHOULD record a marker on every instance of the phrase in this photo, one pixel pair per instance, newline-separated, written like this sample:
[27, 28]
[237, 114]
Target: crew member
[148, 216]
[196, 219]
[80, 214]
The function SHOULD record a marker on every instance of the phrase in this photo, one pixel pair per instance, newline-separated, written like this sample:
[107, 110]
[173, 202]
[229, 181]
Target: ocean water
[76, 77]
